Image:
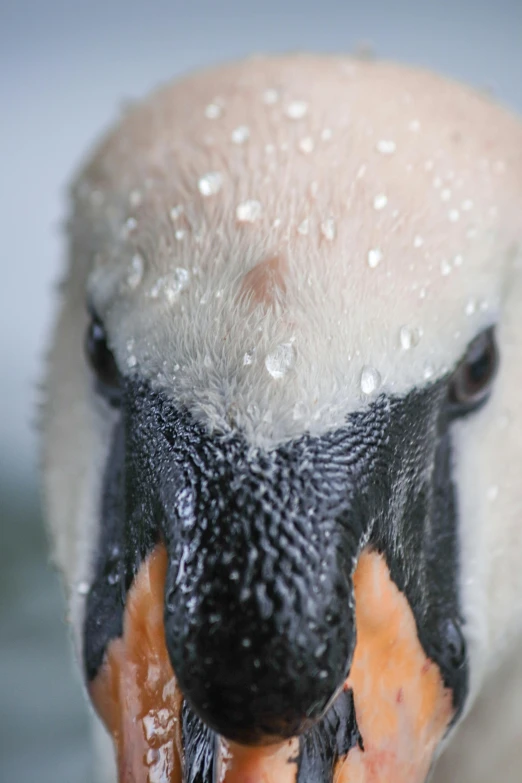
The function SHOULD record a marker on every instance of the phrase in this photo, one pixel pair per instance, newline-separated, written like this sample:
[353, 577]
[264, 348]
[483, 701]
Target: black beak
[259, 601]
[262, 546]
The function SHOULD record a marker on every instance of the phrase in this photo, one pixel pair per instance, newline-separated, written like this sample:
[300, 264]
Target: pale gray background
[65, 67]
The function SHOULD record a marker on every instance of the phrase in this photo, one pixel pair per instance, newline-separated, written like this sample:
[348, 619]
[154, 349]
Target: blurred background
[66, 66]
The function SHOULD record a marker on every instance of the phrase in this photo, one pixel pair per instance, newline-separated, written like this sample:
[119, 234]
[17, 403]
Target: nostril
[453, 645]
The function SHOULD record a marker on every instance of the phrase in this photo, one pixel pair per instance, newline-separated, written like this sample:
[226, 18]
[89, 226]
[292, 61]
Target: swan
[282, 432]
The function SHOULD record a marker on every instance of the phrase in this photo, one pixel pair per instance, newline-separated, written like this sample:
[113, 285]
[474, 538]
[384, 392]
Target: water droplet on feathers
[248, 211]
[296, 110]
[241, 134]
[375, 257]
[135, 274]
[280, 361]
[210, 184]
[370, 380]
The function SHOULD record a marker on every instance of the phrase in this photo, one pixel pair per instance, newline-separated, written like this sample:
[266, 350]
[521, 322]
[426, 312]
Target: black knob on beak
[258, 661]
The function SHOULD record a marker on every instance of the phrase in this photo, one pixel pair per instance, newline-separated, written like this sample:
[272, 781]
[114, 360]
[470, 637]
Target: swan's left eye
[102, 361]
[473, 378]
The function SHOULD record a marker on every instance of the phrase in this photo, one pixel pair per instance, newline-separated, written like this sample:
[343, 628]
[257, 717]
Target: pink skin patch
[265, 282]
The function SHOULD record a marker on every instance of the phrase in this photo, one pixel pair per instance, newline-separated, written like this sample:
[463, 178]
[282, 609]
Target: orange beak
[401, 705]
[135, 692]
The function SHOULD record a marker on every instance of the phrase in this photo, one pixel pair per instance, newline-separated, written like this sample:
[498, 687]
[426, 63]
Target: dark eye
[102, 361]
[473, 378]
